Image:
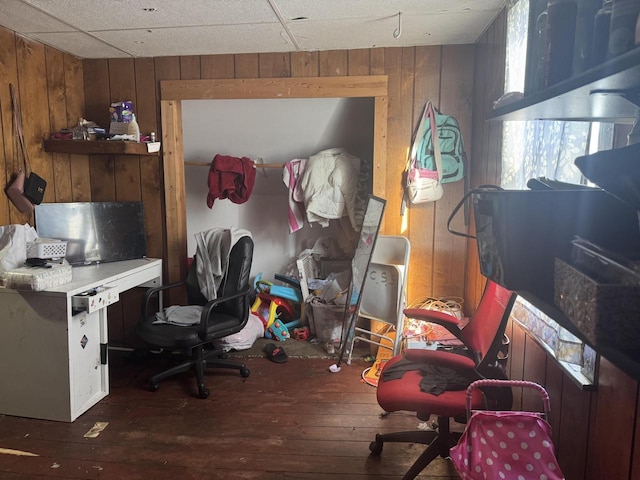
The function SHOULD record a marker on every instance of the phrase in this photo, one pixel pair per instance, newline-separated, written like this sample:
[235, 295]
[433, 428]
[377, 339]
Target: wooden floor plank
[286, 421]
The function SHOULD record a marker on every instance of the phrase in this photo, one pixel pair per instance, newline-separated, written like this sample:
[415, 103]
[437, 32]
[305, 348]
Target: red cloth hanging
[232, 178]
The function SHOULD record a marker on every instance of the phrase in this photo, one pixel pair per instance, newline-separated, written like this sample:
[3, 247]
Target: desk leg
[104, 351]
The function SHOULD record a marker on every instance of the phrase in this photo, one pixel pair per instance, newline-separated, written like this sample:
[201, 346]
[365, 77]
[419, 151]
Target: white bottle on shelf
[133, 128]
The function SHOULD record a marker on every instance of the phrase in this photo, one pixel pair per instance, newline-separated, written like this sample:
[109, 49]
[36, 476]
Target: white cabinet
[53, 357]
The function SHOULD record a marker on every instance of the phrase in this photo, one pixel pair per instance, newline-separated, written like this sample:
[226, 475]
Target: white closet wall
[276, 130]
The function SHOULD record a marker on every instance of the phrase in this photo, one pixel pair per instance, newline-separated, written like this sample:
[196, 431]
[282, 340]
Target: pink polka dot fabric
[506, 446]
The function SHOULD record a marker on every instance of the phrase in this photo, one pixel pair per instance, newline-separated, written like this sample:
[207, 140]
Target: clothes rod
[257, 165]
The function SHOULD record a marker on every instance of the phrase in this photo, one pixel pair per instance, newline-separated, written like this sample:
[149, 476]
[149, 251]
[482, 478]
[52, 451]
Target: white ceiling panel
[132, 14]
[368, 33]
[152, 28]
[341, 9]
[22, 18]
[80, 44]
[200, 40]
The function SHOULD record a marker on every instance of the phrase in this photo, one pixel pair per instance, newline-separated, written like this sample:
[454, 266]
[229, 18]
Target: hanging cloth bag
[26, 188]
[423, 181]
[15, 187]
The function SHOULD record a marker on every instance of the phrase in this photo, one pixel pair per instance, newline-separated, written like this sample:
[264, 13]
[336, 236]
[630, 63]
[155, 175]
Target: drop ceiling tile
[340, 9]
[92, 15]
[369, 33]
[200, 40]
[22, 18]
[240, 26]
[79, 44]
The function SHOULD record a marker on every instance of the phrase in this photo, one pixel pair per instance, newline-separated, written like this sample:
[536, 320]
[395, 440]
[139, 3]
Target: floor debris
[20, 453]
[96, 429]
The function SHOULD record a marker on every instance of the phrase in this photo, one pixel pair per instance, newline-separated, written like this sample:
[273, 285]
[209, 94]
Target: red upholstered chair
[482, 338]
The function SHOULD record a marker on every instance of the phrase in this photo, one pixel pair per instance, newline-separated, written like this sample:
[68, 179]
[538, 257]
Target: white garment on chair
[182, 315]
[212, 252]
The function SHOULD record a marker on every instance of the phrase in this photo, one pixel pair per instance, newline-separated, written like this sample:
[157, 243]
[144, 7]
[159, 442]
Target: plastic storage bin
[47, 248]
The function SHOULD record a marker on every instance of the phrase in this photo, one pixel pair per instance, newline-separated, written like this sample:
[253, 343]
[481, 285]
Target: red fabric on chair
[405, 394]
[439, 357]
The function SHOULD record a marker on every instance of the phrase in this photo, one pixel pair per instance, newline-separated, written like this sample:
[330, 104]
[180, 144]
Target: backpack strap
[430, 112]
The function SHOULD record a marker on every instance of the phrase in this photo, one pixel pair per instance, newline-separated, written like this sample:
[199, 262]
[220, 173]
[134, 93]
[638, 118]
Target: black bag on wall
[34, 187]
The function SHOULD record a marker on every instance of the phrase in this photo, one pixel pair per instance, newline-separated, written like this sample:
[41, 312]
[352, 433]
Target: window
[541, 148]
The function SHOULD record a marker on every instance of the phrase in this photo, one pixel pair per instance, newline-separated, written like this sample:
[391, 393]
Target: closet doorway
[174, 92]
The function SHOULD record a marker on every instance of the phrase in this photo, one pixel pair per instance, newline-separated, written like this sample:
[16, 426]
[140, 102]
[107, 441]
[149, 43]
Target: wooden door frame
[172, 92]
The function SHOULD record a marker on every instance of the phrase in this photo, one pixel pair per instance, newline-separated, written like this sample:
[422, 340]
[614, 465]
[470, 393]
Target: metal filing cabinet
[53, 343]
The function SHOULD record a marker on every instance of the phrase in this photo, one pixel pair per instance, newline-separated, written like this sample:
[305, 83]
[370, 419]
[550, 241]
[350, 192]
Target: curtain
[537, 148]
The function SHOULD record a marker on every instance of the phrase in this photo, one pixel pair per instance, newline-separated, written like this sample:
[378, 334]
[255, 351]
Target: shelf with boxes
[101, 147]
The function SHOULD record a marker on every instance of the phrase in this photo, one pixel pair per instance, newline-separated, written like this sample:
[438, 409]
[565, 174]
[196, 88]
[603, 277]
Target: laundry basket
[506, 444]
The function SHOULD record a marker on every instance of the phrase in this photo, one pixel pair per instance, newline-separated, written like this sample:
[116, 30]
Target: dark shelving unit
[609, 92]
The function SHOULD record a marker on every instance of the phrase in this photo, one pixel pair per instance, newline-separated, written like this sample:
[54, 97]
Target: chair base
[199, 359]
[438, 443]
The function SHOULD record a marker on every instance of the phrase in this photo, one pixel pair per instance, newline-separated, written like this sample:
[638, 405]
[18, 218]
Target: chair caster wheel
[376, 448]
[245, 372]
[154, 387]
[203, 392]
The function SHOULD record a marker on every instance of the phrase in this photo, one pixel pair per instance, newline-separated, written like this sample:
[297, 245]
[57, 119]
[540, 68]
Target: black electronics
[520, 232]
[95, 231]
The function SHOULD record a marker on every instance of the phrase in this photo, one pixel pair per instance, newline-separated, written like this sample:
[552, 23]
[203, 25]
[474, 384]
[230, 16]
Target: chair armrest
[432, 316]
[151, 292]
[208, 308]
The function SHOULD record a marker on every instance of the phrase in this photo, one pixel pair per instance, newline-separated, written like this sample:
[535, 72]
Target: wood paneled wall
[441, 74]
[50, 89]
[56, 89]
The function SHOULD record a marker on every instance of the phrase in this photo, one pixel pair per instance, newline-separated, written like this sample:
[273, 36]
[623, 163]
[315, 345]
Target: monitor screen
[95, 231]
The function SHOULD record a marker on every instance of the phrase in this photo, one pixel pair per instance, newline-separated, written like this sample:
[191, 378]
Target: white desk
[53, 364]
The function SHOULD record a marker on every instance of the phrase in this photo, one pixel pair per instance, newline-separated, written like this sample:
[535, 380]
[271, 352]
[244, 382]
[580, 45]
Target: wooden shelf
[585, 97]
[98, 147]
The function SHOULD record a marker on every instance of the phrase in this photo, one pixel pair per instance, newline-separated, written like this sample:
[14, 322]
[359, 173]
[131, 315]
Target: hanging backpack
[422, 184]
[434, 159]
[453, 156]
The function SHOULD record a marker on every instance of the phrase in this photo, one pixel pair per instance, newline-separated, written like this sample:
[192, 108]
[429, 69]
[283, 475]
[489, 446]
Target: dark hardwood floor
[286, 421]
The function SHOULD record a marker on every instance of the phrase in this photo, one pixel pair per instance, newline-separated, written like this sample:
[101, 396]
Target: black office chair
[221, 317]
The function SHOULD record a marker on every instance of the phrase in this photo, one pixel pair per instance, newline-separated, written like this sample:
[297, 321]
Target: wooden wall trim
[380, 150]
[174, 190]
[172, 92]
[255, 88]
